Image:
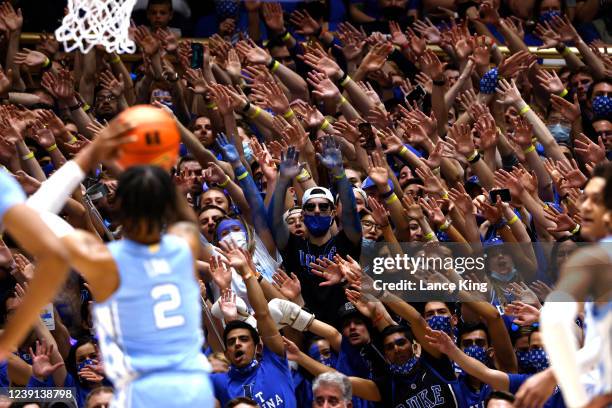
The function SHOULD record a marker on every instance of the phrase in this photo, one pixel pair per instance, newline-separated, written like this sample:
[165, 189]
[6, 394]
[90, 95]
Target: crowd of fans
[316, 134]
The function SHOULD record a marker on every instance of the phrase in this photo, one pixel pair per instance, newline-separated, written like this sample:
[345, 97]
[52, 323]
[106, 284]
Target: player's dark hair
[241, 400]
[146, 193]
[211, 207]
[499, 395]
[237, 324]
[605, 80]
[156, 2]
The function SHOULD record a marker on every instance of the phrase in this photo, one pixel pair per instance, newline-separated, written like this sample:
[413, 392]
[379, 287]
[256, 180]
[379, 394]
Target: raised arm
[288, 170]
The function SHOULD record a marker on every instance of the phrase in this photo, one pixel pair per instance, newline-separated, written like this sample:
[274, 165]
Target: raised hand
[227, 149]
[6, 81]
[440, 341]
[289, 167]
[305, 23]
[412, 208]
[376, 58]
[487, 132]
[550, 81]
[511, 66]
[292, 132]
[589, 151]
[523, 293]
[525, 315]
[564, 28]
[330, 271]
[462, 200]
[273, 16]
[523, 133]
[238, 258]
[30, 58]
[549, 37]
[168, 39]
[378, 212]
[504, 178]
[113, 84]
[227, 304]
[252, 52]
[233, 65]
[428, 31]
[288, 286]
[322, 62]
[431, 65]
[214, 174]
[569, 110]
[434, 212]
[573, 177]
[271, 95]
[508, 92]
[13, 20]
[331, 157]
[41, 360]
[149, 44]
[221, 274]
[324, 88]
[562, 221]
[441, 150]
[196, 78]
[432, 183]
[377, 169]
[460, 137]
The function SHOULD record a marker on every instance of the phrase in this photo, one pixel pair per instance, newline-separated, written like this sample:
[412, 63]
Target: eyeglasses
[370, 225]
[323, 207]
[473, 342]
[399, 343]
[103, 98]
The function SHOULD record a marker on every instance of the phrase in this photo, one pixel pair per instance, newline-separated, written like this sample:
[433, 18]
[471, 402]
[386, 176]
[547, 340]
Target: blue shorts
[10, 193]
[168, 390]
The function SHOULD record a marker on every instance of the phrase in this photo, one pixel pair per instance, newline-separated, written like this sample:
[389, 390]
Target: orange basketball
[157, 135]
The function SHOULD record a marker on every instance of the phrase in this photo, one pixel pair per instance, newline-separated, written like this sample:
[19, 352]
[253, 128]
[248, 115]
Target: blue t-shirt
[11, 193]
[474, 398]
[269, 383]
[353, 361]
[516, 380]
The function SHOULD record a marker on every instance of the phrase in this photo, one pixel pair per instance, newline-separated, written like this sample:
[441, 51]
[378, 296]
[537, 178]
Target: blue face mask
[602, 106]
[560, 132]
[317, 225]
[441, 323]
[248, 153]
[477, 352]
[316, 355]
[547, 16]
[238, 372]
[508, 277]
[523, 361]
[403, 369]
[367, 246]
[85, 363]
[538, 359]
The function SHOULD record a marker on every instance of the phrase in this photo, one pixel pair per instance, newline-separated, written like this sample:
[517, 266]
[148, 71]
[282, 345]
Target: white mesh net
[92, 22]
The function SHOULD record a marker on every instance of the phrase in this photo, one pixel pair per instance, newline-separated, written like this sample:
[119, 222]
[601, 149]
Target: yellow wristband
[473, 155]
[325, 124]
[429, 236]
[391, 199]
[525, 109]
[346, 81]
[52, 148]
[340, 176]
[71, 141]
[566, 51]
[512, 220]
[28, 156]
[211, 105]
[445, 195]
[46, 63]
[575, 230]
[444, 226]
[242, 176]
[225, 183]
[563, 93]
[304, 175]
[256, 113]
[275, 66]
[286, 36]
[529, 149]
[403, 150]
[288, 114]
[115, 60]
[342, 100]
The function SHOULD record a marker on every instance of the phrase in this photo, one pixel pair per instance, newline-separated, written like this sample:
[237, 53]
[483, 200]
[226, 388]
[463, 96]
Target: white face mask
[239, 237]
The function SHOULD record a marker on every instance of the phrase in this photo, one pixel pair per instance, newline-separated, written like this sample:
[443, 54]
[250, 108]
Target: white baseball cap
[317, 192]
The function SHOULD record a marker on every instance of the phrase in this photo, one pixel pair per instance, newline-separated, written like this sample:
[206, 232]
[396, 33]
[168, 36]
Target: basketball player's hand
[106, 146]
[536, 390]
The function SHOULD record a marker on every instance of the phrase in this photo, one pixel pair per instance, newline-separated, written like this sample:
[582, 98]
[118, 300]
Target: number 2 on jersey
[162, 308]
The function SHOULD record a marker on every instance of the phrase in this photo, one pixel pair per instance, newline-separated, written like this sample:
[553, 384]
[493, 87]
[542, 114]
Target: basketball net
[92, 22]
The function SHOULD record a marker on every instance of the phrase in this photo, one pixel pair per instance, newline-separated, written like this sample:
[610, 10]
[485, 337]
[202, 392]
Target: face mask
[243, 371]
[547, 16]
[84, 364]
[538, 359]
[506, 277]
[403, 369]
[317, 225]
[248, 153]
[523, 361]
[477, 352]
[560, 133]
[228, 224]
[238, 237]
[367, 246]
[441, 323]
[602, 106]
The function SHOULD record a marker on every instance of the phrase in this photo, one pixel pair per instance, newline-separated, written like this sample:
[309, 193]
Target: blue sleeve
[280, 362]
[35, 383]
[11, 193]
[515, 381]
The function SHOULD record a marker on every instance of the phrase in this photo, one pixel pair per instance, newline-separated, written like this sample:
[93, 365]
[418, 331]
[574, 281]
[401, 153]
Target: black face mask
[396, 13]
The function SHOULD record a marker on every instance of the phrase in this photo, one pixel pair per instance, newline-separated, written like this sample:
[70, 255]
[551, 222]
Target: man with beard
[266, 380]
[323, 241]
